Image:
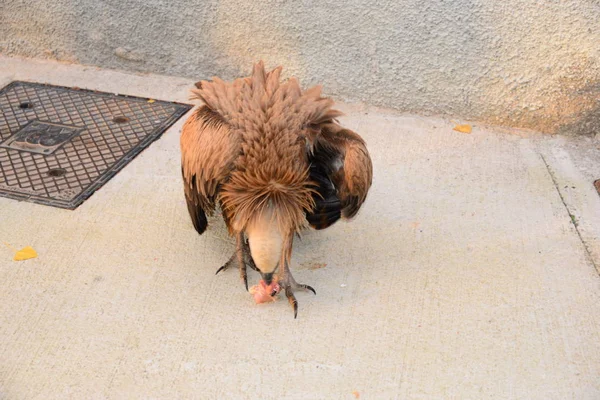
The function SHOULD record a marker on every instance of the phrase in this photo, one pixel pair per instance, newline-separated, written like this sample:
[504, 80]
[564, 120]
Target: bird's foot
[288, 284]
[234, 260]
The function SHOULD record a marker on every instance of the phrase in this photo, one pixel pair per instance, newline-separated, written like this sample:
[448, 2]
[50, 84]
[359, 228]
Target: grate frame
[105, 131]
[35, 128]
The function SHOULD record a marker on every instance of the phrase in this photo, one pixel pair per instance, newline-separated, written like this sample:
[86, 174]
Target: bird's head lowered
[266, 243]
[268, 200]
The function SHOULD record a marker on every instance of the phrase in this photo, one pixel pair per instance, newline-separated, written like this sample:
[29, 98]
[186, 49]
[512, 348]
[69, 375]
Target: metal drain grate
[59, 145]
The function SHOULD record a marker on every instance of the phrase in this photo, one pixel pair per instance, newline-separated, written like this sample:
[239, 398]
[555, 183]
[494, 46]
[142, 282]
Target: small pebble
[343, 285]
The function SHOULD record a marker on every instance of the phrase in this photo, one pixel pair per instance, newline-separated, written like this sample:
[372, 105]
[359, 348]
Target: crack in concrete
[571, 216]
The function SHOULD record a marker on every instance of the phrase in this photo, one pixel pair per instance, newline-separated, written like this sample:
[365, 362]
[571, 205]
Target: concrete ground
[471, 273]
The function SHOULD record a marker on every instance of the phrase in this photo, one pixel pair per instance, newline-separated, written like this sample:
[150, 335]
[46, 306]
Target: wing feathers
[358, 175]
[259, 139]
[342, 169]
[208, 151]
[193, 204]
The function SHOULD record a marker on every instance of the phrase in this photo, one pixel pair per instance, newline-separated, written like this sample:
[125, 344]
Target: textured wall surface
[522, 63]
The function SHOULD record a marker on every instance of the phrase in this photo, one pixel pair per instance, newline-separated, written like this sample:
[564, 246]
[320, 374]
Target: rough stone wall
[523, 63]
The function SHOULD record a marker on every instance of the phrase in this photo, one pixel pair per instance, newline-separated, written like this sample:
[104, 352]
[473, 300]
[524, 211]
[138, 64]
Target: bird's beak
[270, 282]
[268, 278]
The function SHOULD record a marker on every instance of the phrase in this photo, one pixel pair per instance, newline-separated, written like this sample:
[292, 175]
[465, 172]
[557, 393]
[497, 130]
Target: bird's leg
[285, 279]
[241, 257]
[248, 256]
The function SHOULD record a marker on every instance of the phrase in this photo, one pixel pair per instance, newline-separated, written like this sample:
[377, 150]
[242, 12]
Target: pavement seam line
[571, 215]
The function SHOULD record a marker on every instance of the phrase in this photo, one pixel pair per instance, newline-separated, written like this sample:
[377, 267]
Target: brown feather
[341, 164]
[356, 175]
[208, 152]
[247, 148]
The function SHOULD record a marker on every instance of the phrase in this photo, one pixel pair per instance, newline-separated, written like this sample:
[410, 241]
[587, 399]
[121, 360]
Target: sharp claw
[244, 278]
[292, 300]
[223, 268]
[309, 288]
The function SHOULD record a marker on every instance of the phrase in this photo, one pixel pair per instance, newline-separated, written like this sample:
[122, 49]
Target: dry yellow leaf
[317, 266]
[356, 394]
[463, 128]
[25, 254]
[151, 101]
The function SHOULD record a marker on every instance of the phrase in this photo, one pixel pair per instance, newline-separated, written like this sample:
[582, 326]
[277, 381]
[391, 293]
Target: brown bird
[275, 160]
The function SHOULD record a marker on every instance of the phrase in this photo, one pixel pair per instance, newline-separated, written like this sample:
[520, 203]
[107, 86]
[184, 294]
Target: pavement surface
[470, 273]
